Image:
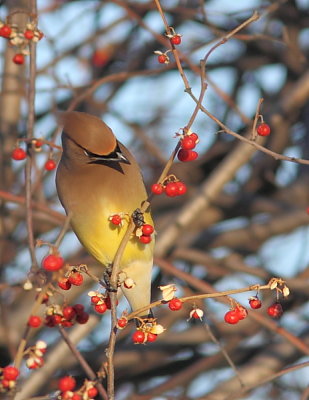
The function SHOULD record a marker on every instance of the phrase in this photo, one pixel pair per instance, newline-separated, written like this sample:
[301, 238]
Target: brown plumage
[96, 178]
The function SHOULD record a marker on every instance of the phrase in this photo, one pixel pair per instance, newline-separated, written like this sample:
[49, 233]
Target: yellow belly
[102, 239]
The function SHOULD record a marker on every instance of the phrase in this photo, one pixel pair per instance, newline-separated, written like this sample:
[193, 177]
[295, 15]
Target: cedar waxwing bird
[98, 177]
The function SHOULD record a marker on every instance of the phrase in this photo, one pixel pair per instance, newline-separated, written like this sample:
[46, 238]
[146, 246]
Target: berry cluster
[171, 186]
[187, 144]
[67, 384]
[19, 153]
[175, 39]
[147, 332]
[144, 233]
[20, 38]
[101, 302]
[239, 312]
[74, 277]
[8, 376]
[65, 315]
[35, 355]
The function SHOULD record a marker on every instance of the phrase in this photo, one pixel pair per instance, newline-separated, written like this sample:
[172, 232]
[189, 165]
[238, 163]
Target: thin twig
[83, 363]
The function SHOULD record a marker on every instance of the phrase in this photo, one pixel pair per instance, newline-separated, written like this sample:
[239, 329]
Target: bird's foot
[138, 218]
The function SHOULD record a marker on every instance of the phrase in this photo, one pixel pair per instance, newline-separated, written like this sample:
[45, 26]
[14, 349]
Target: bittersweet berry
[263, 129]
[28, 34]
[187, 155]
[95, 299]
[34, 321]
[242, 312]
[182, 188]
[171, 189]
[5, 31]
[163, 59]
[10, 373]
[255, 303]
[187, 143]
[176, 39]
[64, 284]
[151, 337]
[52, 262]
[18, 154]
[76, 278]
[115, 219]
[147, 229]
[138, 337]
[19, 59]
[50, 165]
[79, 308]
[68, 313]
[231, 317]
[275, 310]
[122, 323]
[175, 304]
[100, 308]
[157, 188]
[92, 392]
[66, 383]
[145, 239]
[82, 318]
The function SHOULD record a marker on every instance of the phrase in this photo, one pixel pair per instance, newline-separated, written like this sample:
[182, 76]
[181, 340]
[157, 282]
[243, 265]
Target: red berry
[10, 373]
[82, 318]
[76, 278]
[263, 129]
[76, 396]
[138, 337]
[34, 321]
[231, 317]
[67, 324]
[101, 308]
[52, 262]
[5, 31]
[92, 392]
[145, 239]
[187, 143]
[122, 323]
[187, 155]
[28, 34]
[18, 154]
[275, 310]
[157, 188]
[95, 299]
[182, 188]
[194, 136]
[151, 337]
[162, 58]
[175, 304]
[19, 58]
[171, 189]
[255, 303]
[108, 302]
[64, 284]
[38, 143]
[79, 308]
[116, 219]
[66, 383]
[242, 312]
[68, 313]
[176, 39]
[50, 165]
[147, 229]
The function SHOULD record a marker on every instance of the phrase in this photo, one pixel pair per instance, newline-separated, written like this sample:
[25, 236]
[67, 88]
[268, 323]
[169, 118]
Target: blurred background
[243, 220]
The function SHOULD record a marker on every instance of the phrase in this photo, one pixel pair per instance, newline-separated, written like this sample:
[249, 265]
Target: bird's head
[90, 139]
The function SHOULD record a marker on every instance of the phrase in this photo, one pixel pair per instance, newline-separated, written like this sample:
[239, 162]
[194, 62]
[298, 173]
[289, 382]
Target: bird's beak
[122, 158]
